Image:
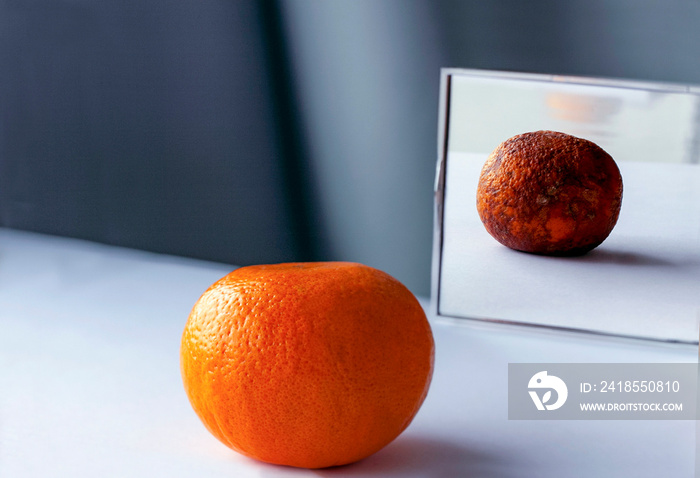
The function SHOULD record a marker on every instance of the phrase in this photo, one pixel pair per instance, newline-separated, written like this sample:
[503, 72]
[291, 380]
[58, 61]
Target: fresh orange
[549, 193]
[307, 364]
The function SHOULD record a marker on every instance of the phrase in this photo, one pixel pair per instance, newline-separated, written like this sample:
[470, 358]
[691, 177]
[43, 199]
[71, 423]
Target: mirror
[644, 280]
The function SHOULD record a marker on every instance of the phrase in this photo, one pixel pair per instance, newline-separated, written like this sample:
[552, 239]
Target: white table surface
[90, 384]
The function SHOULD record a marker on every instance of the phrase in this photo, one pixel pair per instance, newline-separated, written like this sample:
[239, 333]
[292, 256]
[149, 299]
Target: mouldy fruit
[549, 193]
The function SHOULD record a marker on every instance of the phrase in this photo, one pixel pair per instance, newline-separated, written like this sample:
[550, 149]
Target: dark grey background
[246, 132]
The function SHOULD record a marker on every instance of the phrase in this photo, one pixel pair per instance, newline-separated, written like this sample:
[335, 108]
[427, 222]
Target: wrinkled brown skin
[549, 193]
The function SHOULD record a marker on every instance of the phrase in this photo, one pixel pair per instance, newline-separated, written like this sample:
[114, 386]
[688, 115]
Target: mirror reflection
[644, 280]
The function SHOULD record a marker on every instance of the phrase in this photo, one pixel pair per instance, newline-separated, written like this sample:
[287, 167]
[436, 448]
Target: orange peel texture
[307, 364]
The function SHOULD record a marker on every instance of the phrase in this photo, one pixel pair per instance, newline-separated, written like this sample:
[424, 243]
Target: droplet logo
[541, 382]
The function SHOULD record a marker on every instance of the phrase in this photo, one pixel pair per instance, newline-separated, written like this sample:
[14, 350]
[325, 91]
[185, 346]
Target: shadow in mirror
[624, 258]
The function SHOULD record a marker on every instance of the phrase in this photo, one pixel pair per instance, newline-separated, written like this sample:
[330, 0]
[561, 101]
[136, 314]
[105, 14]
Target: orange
[549, 193]
[307, 364]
